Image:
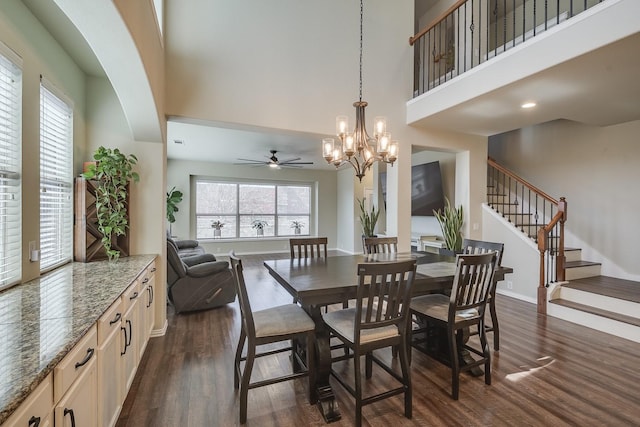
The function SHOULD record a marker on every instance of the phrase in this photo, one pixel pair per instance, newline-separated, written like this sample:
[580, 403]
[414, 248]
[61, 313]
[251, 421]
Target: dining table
[317, 282]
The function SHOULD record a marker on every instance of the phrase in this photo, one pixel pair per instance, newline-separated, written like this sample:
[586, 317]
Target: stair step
[613, 287]
[580, 263]
[597, 311]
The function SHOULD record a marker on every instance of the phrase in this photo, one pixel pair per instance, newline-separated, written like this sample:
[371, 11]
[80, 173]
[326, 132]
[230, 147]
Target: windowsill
[255, 239]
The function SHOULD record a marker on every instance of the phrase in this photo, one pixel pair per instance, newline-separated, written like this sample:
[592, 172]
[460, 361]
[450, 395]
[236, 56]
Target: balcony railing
[471, 32]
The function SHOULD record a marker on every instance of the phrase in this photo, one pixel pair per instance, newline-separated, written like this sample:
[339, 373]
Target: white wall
[179, 173]
[596, 169]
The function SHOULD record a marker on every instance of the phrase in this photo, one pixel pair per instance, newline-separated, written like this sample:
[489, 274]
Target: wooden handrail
[522, 181]
[436, 21]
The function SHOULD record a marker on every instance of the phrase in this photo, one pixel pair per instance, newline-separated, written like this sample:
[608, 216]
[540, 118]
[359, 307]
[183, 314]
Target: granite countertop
[41, 320]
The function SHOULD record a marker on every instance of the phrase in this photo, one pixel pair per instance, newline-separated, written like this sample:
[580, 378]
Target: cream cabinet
[148, 281]
[131, 330]
[75, 385]
[37, 409]
[110, 377]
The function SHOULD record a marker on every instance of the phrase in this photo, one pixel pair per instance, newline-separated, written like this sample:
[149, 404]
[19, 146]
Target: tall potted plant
[173, 198]
[368, 219]
[451, 220]
[113, 171]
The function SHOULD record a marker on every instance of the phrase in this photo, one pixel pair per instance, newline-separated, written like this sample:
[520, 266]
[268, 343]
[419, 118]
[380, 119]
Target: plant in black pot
[113, 171]
[451, 220]
[173, 198]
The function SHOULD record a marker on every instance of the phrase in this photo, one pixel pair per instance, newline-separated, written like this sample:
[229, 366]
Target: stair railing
[471, 32]
[536, 214]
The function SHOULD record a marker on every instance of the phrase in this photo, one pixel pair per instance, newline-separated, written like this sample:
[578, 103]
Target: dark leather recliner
[198, 282]
[186, 247]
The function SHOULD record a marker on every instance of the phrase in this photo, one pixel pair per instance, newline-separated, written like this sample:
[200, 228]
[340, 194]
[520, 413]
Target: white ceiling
[599, 88]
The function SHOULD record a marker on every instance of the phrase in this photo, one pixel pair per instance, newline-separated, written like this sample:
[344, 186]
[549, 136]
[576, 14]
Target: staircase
[585, 296]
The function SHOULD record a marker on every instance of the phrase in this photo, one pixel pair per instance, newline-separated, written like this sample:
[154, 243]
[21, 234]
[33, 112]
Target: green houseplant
[368, 219]
[217, 227]
[173, 198]
[113, 171]
[451, 220]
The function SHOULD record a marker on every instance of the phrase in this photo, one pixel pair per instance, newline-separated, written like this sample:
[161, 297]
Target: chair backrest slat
[470, 246]
[472, 283]
[312, 247]
[384, 294]
[380, 245]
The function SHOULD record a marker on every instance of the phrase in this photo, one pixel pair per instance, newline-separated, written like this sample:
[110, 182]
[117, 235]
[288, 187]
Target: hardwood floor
[548, 372]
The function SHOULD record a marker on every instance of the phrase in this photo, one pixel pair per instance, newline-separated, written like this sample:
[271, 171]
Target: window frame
[279, 232]
[56, 144]
[11, 169]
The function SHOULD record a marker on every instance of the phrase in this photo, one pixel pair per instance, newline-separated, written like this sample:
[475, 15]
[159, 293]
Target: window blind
[10, 164]
[56, 179]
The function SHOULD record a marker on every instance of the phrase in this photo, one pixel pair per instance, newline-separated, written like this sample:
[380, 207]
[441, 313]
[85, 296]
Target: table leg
[327, 403]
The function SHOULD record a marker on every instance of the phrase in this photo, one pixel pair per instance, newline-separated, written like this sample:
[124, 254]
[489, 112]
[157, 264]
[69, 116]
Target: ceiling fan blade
[296, 163]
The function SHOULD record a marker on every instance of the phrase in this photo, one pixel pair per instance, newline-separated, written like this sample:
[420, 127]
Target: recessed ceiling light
[528, 105]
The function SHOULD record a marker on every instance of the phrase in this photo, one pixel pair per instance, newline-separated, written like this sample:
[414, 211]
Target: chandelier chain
[361, 13]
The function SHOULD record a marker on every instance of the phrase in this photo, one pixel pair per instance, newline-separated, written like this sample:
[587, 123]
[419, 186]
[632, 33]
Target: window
[10, 168]
[239, 205]
[56, 179]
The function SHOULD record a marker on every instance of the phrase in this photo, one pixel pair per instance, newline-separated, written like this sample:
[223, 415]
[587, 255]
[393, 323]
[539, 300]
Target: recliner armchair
[186, 247]
[198, 282]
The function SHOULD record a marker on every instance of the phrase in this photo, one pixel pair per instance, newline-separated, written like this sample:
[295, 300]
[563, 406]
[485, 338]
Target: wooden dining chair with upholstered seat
[462, 310]
[470, 246]
[310, 247]
[380, 245]
[379, 320]
[271, 325]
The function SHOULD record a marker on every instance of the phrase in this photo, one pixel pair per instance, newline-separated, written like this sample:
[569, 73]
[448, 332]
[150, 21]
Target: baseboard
[160, 332]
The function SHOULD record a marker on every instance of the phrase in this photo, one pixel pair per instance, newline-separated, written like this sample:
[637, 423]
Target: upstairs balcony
[480, 60]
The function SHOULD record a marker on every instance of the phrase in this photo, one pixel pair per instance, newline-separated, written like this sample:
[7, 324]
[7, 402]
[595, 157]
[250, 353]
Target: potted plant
[297, 226]
[173, 198]
[451, 220]
[113, 171]
[259, 226]
[368, 219]
[217, 226]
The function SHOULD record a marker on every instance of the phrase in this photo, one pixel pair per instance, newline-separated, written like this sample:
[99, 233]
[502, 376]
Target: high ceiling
[598, 88]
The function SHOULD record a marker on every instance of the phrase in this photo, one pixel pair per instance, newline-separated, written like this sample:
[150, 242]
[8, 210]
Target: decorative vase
[217, 232]
[296, 230]
[260, 232]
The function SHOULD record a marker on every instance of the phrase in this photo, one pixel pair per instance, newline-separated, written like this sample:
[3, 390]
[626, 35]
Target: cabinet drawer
[36, 409]
[110, 321]
[131, 295]
[73, 364]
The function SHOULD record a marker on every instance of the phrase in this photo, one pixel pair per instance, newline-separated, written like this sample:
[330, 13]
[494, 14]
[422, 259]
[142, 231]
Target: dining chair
[311, 247]
[470, 246]
[378, 320]
[462, 310]
[272, 325]
[380, 245]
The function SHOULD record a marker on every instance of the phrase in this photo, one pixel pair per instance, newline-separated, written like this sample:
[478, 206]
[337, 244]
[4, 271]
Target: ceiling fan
[274, 162]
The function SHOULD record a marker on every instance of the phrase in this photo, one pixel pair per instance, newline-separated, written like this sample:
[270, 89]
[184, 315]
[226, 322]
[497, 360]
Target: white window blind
[56, 179]
[10, 164]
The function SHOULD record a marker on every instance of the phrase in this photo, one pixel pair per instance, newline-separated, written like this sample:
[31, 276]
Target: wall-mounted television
[426, 189]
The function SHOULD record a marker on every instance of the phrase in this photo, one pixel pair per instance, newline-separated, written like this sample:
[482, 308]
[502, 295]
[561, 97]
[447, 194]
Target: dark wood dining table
[316, 282]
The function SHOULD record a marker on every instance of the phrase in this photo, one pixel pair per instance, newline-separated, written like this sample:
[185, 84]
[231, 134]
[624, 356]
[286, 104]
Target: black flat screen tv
[426, 189]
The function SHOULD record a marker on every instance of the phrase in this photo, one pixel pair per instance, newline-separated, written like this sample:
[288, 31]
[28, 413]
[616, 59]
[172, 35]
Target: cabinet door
[37, 409]
[78, 407]
[110, 397]
[129, 345]
[149, 314]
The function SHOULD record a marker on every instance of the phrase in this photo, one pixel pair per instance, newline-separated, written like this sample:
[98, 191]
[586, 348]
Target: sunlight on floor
[545, 363]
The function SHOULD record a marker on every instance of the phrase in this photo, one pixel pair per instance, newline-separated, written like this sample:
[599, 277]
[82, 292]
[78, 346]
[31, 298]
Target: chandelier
[359, 149]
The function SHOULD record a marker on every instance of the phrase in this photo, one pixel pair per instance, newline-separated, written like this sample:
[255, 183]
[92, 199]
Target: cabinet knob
[34, 421]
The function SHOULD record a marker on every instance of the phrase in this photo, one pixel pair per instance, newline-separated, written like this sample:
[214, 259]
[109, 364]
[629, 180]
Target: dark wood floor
[548, 372]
